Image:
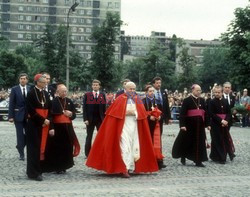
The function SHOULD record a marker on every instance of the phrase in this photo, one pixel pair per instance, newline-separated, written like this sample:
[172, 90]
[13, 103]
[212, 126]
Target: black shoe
[61, 172]
[232, 156]
[21, 158]
[38, 178]
[222, 162]
[161, 165]
[200, 165]
[183, 161]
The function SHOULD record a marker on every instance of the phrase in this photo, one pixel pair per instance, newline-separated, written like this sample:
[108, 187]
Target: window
[110, 5]
[88, 48]
[74, 29]
[45, 18]
[81, 20]
[117, 5]
[74, 20]
[81, 12]
[89, 12]
[89, 21]
[45, 1]
[81, 29]
[45, 9]
[20, 26]
[28, 36]
[28, 18]
[29, 9]
[28, 27]
[20, 8]
[37, 18]
[88, 30]
[20, 17]
[37, 27]
[20, 36]
[81, 38]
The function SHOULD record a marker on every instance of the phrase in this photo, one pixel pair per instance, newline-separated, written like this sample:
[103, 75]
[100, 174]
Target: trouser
[90, 130]
[21, 136]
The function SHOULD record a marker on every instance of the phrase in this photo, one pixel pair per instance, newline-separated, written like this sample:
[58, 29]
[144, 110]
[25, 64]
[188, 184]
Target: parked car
[4, 108]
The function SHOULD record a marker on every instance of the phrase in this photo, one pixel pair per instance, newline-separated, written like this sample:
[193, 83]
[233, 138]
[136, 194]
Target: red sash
[64, 119]
[196, 112]
[222, 116]
[45, 131]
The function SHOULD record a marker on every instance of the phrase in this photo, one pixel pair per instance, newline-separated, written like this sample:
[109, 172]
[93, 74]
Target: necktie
[159, 97]
[24, 95]
[228, 100]
[96, 96]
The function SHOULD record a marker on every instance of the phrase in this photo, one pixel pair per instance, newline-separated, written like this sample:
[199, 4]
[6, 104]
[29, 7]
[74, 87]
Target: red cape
[105, 153]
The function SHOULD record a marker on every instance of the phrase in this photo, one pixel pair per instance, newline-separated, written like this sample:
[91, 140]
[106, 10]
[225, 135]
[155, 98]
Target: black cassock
[191, 144]
[59, 151]
[221, 141]
[36, 100]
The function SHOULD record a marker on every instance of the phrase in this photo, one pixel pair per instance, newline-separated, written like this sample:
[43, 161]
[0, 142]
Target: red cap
[37, 77]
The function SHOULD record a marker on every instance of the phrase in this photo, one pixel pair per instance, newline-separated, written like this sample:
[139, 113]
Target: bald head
[62, 90]
[196, 90]
[130, 87]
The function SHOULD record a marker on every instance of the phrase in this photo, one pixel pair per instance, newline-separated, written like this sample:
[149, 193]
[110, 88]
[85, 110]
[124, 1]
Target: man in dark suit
[227, 94]
[120, 92]
[17, 111]
[162, 100]
[94, 108]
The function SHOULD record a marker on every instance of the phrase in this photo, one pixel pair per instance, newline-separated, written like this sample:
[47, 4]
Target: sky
[189, 19]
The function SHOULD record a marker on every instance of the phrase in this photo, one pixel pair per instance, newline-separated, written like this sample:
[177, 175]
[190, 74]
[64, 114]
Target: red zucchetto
[37, 77]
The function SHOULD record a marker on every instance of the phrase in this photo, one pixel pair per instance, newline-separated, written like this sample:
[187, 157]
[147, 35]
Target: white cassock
[130, 147]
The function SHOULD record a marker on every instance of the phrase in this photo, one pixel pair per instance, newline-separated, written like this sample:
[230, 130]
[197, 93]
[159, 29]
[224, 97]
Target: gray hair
[227, 83]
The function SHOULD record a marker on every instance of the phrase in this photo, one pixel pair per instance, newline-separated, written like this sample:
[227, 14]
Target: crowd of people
[129, 125]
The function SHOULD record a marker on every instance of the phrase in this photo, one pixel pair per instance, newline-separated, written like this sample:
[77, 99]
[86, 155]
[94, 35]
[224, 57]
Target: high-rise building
[22, 21]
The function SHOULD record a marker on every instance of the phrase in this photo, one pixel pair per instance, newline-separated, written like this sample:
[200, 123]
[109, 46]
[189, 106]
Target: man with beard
[190, 142]
[221, 143]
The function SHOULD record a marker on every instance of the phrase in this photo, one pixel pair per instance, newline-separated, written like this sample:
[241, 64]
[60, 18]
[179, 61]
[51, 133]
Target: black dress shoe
[21, 158]
[232, 156]
[183, 161]
[199, 165]
[61, 172]
[38, 178]
[161, 165]
[222, 162]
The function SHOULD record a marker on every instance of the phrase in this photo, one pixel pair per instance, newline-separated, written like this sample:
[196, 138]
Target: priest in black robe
[221, 141]
[63, 146]
[191, 140]
[39, 127]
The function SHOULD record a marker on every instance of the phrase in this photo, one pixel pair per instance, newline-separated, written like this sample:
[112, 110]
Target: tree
[157, 63]
[103, 60]
[215, 67]
[187, 63]
[4, 44]
[237, 39]
[11, 65]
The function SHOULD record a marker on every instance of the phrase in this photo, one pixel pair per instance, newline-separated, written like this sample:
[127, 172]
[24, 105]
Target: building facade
[22, 21]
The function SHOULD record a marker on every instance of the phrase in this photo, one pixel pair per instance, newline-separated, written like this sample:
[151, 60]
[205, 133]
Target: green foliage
[103, 65]
[215, 67]
[188, 75]
[4, 44]
[11, 65]
[237, 39]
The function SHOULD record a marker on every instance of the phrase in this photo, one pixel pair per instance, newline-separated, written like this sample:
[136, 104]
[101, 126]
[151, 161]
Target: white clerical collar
[40, 89]
[194, 96]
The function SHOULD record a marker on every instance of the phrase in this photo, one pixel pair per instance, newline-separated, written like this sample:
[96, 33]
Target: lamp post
[72, 8]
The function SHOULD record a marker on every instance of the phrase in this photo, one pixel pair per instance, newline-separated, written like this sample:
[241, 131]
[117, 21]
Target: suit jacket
[232, 100]
[89, 103]
[51, 91]
[165, 108]
[17, 106]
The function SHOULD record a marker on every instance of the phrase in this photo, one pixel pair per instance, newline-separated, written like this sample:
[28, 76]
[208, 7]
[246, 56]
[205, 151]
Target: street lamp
[72, 8]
